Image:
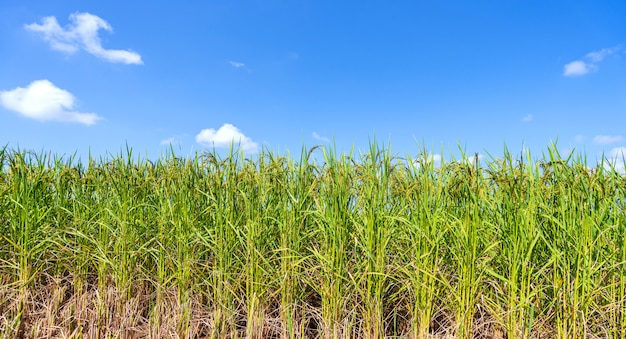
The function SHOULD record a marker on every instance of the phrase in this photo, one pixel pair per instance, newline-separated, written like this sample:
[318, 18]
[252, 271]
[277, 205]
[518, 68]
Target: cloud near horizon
[171, 141]
[581, 67]
[225, 137]
[320, 138]
[431, 158]
[471, 159]
[237, 64]
[617, 159]
[618, 152]
[43, 101]
[607, 139]
[82, 33]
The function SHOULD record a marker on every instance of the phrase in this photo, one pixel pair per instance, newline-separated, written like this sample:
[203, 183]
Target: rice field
[366, 245]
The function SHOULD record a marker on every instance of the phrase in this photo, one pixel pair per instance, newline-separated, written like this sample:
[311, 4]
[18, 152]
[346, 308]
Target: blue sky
[78, 76]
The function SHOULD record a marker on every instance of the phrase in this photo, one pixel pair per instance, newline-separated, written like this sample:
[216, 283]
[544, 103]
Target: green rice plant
[218, 234]
[518, 262]
[160, 269]
[266, 246]
[333, 217]
[295, 186]
[618, 265]
[608, 185]
[420, 240]
[180, 211]
[576, 233]
[471, 241]
[28, 200]
[373, 230]
[124, 217]
[74, 216]
[253, 234]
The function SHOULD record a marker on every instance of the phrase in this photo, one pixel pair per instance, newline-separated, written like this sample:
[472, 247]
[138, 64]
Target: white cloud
[237, 64]
[528, 118]
[82, 33]
[601, 54]
[171, 141]
[579, 138]
[618, 152]
[43, 101]
[607, 139]
[320, 138]
[434, 159]
[617, 159]
[226, 136]
[578, 67]
[566, 150]
[472, 159]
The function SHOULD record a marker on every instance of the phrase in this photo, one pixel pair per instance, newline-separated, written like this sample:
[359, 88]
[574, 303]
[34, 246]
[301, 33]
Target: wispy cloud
[426, 160]
[578, 67]
[601, 54]
[436, 158]
[607, 139]
[320, 138]
[82, 33]
[226, 136]
[579, 138]
[617, 159]
[237, 64]
[472, 159]
[171, 141]
[43, 101]
[528, 118]
[618, 152]
[588, 63]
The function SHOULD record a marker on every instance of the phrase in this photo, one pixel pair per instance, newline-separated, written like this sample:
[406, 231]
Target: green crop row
[355, 246]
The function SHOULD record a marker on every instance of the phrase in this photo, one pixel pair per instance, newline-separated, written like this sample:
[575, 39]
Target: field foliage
[352, 245]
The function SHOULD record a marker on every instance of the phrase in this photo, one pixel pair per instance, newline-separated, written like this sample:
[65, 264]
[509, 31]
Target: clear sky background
[97, 75]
